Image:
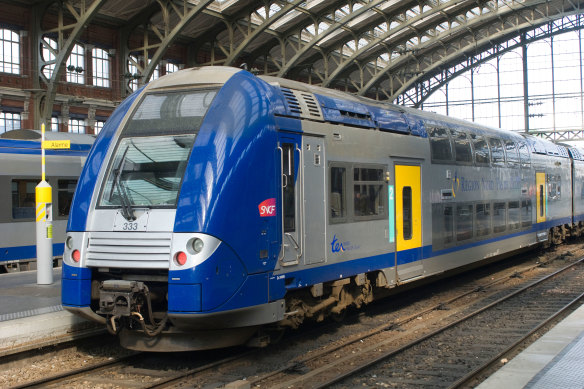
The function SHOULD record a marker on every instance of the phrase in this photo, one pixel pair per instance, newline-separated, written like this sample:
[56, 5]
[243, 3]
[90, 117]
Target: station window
[526, 211]
[481, 150]
[77, 126]
[55, 124]
[9, 121]
[133, 74]
[368, 193]
[76, 65]
[512, 155]
[65, 191]
[98, 126]
[10, 51]
[514, 214]
[464, 214]
[49, 55]
[440, 145]
[338, 208]
[462, 148]
[483, 219]
[101, 67]
[499, 217]
[497, 153]
[23, 199]
[171, 68]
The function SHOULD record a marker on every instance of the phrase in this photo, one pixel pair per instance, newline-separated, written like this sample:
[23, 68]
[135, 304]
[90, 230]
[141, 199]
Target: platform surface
[556, 360]
[31, 315]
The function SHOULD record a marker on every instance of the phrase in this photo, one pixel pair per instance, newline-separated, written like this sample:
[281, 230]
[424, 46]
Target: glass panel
[464, 222]
[512, 155]
[461, 147]
[514, 215]
[337, 195]
[66, 189]
[23, 199]
[524, 155]
[289, 182]
[541, 201]
[440, 145]
[481, 148]
[526, 212]
[368, 192]
[483, 219]
[497, 154]
[499, 217]
[407, 211]
[147, 171]
[172, 113]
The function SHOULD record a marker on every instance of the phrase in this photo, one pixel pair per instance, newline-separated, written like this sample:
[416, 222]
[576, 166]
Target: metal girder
[253, 33]
[168, 34]
[304, 48]
[380, 42]
[83, 12]
[458, 43]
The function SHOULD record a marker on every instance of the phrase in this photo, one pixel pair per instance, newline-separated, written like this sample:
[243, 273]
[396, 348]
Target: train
[20, 173]
[218, 207]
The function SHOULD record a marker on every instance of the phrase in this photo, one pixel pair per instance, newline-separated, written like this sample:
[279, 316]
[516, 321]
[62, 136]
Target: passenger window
[554, 186]
[464, 222]
[526, 210]
[512, 155]
[337, 199]
[407, 211]
[288, 182]
[369, 193]
[481, 149]
[23, 199]
[514, 215]
[483, 219]
[524, 155]
[461, 147]
[497, 154]
[442, 225]
[541, 202]
[440, 145]
[65, 191]
[499, 217]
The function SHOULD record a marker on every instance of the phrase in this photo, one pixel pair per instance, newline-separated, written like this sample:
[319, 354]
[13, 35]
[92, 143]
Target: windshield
[147, 171]
[153, 150]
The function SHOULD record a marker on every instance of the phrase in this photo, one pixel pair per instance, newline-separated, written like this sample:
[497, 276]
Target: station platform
[31, 315]
[556, 360]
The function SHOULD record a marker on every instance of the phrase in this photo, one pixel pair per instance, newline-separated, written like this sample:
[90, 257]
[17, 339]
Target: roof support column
[525, 83]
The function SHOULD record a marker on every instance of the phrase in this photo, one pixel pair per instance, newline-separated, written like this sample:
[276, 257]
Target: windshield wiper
[127, 210]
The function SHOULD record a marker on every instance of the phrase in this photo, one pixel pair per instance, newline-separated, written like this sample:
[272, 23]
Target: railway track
[344, 360]
[455, 353]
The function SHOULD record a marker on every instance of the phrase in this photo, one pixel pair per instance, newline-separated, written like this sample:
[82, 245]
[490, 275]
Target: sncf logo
[267, 208]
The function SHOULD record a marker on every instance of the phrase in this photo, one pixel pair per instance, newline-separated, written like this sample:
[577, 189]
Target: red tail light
[76, 255]
[181, 258]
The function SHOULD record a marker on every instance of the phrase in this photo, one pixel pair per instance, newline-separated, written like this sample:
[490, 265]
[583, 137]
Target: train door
[541, 200]
[408, 221]
[313, 199]
[291, 211]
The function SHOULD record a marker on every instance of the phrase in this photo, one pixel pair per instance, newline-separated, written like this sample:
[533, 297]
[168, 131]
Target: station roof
[375, 48]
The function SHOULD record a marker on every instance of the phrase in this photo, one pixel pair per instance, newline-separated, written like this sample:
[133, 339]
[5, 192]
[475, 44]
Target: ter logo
[267, 208]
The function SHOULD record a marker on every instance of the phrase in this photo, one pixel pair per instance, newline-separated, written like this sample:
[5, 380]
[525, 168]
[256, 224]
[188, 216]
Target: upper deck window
[440, 145]
[497, 153]
[461, 147]
[481, 149]
[170, 113]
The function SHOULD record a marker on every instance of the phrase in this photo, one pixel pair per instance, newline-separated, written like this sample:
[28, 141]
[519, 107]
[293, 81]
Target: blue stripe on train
[26, 252]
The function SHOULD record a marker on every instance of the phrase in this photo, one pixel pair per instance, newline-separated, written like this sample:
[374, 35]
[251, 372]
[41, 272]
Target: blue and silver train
[217, 206]
[20, 172]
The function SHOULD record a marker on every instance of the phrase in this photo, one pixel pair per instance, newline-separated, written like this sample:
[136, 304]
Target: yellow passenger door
[408, 215]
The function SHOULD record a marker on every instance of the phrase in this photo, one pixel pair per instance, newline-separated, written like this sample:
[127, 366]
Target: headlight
[69, 242]
[198, 245]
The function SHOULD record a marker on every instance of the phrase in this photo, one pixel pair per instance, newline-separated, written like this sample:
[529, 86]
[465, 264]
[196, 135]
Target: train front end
[167, 244]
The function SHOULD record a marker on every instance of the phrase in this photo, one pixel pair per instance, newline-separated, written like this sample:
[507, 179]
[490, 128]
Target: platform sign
[56, 144]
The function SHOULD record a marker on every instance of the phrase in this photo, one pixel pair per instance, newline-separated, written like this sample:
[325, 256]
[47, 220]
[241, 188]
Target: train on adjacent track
[20, 172]
[218, 206]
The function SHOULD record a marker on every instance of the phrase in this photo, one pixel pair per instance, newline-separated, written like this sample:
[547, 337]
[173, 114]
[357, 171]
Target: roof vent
[303, 104]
